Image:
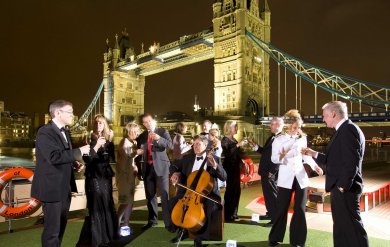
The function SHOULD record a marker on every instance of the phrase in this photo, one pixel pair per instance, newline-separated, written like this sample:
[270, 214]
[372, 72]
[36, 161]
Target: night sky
[54, 49]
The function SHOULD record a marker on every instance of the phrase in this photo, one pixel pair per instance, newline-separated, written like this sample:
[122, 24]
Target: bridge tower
[123, 91]
[241, 69]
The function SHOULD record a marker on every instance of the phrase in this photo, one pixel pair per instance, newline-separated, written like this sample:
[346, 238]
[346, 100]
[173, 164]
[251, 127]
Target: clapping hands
[283, 153]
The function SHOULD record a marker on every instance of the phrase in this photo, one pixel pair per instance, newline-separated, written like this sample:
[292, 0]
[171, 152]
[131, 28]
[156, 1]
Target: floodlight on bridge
[170, 53]
[258, 59]
[130, 66]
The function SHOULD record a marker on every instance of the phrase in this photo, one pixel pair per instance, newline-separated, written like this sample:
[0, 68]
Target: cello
[188, 212]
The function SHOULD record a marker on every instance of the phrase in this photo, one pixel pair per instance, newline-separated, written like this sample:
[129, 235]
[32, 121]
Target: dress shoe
[268, 224]
[149, 225]
[272, 243]
[298, 245]
[181, 234]
[171, 228]
[265, 217]
[231, 218]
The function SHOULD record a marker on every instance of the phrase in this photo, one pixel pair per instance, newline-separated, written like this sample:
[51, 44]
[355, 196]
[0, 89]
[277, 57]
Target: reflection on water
[16, 157]
[25, 153]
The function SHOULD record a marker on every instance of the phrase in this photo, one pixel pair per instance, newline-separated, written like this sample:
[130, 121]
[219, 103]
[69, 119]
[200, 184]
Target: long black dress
[231, 164]
[100, 226]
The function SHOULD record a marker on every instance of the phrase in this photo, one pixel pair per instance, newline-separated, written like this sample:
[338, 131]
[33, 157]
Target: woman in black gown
[100, 226]
[231, 163]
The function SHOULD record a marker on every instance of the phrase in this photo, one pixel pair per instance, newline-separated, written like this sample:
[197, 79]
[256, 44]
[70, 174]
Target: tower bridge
[239, 44]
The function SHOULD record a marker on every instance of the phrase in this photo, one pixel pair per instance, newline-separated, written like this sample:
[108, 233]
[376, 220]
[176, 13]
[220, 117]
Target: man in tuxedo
[54, 179]
[343, 158]
[182, 168]
[269, 170]
[155, 163]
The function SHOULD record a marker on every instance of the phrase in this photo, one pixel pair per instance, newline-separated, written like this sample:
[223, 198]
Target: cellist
[182, 169]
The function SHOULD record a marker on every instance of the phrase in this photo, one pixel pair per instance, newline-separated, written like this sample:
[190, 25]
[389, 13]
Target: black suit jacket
[266, 165]
[53, 177]
[184, 166]
[161, 161]
[343, 158]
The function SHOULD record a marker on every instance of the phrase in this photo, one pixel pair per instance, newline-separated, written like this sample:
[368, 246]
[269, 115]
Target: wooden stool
[216, 231]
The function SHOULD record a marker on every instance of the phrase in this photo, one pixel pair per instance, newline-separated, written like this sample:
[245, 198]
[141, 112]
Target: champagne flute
[88, 137]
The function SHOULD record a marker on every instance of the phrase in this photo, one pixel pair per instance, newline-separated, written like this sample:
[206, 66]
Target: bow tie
[199, 158]
[63, 129]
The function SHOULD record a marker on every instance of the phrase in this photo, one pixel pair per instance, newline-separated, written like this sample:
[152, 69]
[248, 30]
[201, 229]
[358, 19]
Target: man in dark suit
[54, 179]
[343, 158]
[155, 163]
[182, 168]
[268, 170]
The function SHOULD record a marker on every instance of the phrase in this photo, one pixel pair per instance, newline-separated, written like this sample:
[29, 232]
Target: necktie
[150, 158]
[199, 158]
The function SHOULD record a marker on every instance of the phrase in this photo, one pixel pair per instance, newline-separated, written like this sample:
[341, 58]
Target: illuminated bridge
[241, 51]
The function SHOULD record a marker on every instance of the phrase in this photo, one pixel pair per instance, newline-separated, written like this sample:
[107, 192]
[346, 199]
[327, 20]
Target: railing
[88, 112]
[353, 90]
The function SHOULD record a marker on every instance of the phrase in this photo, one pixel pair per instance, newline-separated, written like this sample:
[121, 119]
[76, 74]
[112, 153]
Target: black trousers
[232, 194]
[270, 192]
[298, 227]
[348, 227]
[54, 222]
[151, 182]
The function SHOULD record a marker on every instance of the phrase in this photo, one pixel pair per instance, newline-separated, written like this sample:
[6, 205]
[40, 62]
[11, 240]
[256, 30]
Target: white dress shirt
[198, 163]
[60, 126]
[291, 165]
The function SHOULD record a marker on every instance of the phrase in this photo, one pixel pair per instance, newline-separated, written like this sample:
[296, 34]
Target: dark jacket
[343, 158]
[161, 161]
[266, 165]
[184, 166]
[53, 177]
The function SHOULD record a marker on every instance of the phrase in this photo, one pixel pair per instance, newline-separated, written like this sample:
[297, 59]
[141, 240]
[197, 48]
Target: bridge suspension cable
[356, 91]
[88, 111]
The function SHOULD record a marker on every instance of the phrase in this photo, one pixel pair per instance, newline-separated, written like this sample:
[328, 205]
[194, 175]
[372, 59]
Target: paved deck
[376, 221]
[376, 206]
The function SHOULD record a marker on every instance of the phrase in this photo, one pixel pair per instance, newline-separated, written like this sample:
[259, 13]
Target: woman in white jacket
[292, 177]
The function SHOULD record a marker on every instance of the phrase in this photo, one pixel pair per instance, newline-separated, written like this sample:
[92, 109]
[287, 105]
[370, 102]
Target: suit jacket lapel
[269, 141]
[58, 131]
[68, 138]
[334, 136]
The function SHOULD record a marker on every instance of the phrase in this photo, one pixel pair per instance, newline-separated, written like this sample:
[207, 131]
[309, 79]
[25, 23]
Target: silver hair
[338, 107]
[57, 105]
[278, 119]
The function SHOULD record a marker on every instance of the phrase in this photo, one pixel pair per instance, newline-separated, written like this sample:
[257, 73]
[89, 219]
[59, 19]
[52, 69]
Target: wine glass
[87, 140]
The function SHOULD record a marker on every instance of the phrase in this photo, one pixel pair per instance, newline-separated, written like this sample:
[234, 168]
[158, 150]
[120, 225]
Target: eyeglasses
[69, 112]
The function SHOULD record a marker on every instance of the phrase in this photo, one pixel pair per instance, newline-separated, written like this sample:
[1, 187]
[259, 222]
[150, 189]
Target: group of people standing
[281, 169]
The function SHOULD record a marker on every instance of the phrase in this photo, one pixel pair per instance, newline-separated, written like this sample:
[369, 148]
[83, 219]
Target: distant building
[14, 127]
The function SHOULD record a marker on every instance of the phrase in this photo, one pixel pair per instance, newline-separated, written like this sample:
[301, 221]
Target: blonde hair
[132, 127]
[106, 129]
[291, 117]
[227, 128]
[214, 132]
